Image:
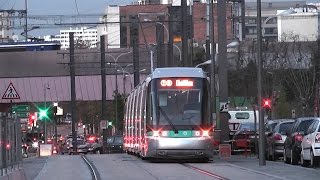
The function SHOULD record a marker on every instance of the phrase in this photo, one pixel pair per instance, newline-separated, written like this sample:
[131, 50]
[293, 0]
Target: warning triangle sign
[11, 93]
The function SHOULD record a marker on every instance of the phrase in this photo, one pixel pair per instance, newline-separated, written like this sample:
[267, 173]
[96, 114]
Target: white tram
[168, 116]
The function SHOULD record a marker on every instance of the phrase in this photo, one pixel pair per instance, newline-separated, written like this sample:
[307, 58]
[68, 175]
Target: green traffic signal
[43, 114]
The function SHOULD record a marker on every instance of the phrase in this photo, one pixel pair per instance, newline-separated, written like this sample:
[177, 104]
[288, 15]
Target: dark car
[114, 144]
[276, 138]
[246, 131]
[292, 144]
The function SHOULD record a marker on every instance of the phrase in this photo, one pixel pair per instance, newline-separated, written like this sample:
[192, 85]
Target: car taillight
[298, 137]
[277, 137]
[317, 140]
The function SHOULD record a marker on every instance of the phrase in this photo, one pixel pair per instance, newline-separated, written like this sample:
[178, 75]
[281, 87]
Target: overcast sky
[60, 7]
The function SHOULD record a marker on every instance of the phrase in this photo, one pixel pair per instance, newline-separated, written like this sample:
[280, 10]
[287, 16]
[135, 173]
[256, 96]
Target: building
[269, 9]
[301, 24]
[5, 25]
[84, 37]
[111, 28]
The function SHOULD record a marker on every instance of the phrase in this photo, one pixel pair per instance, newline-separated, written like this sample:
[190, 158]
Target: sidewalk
[64, 167]
[274, 169]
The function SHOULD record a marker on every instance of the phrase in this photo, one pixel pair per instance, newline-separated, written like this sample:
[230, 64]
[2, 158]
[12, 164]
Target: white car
[82, 147]
[310, 145]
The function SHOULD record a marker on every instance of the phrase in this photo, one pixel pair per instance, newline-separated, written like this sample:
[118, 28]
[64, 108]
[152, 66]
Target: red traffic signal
[266, 103]
[32, 118]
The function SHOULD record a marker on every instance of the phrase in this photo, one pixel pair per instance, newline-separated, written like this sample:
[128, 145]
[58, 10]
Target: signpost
[22, 111]
[11, 94]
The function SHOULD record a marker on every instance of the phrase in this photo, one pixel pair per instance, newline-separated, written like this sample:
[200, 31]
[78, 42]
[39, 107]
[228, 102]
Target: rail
[94, 172]
[204, 172]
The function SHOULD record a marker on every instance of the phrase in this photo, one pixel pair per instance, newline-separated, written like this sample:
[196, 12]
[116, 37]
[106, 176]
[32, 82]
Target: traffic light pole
[262, 160]
[73, 93]
[45, 120]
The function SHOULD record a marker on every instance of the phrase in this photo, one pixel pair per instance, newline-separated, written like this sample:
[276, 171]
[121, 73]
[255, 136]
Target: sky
[59, 7]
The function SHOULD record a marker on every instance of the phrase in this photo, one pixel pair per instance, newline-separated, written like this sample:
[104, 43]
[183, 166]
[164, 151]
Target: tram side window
[149, 107]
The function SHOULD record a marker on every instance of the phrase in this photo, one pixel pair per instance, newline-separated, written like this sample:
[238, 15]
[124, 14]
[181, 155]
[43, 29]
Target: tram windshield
[182, 102]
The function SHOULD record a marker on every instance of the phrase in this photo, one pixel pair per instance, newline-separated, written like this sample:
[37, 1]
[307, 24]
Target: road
[124, 166]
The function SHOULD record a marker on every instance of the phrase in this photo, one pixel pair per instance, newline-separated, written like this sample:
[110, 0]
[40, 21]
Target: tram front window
[182, 106]
[175, 105]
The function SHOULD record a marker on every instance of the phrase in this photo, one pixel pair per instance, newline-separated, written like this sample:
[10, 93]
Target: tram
[167, 116]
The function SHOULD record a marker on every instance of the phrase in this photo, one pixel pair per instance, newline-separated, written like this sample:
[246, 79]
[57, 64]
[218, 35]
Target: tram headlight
[205, 133]
[156, 133]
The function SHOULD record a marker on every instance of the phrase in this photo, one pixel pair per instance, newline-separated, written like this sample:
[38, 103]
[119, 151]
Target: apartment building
[84, 37]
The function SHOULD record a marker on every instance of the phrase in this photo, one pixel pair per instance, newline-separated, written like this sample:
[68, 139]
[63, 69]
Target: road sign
[11, 93]
[103, 124]
[22, 114]
[20, 108]
[225, 151]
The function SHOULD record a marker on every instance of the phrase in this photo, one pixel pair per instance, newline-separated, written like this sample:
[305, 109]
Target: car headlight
[35, 144]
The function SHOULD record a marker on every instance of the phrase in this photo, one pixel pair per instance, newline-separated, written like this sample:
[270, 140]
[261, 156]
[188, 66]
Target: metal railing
[10, 143]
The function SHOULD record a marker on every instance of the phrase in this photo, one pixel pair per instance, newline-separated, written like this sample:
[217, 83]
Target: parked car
[292, 144]
[311, 145]
[246, 131]
[82, 147]
[114, 144]
[276, 138]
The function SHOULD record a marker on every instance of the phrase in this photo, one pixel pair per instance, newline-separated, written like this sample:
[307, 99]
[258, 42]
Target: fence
[10, 143]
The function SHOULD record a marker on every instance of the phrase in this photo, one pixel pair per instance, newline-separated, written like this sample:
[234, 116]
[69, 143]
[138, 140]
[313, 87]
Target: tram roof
[178, 72]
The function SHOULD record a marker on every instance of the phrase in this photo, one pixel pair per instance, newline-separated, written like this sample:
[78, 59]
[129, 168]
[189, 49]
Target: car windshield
[247, 127]
[110, 139]
[118, 140]
[80, 142]
[285, 127]
[272, 126]
[304, 125]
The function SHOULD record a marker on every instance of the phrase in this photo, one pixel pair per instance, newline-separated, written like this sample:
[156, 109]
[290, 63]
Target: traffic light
[266, 103]
[32, 119]
[43, 114]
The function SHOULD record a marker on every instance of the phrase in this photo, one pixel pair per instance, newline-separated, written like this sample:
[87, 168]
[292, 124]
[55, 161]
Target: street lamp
[45, 88]
[115, 62]
[167, 31]
[55, 109]
[230, 46]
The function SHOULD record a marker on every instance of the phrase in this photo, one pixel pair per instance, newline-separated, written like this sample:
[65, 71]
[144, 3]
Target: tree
[118, 105]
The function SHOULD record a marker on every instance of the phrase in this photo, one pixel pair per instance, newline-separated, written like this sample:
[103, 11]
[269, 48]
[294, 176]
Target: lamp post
[167, 31]
[55, 109]
[116, 98]
[46, 87]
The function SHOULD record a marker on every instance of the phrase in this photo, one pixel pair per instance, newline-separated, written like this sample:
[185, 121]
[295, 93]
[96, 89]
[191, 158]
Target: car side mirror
[270, 134]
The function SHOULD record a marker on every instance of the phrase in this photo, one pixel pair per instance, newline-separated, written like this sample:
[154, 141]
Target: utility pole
[160, 48]
[170, 40]
[184, 26]
[213, 60]
[73, 93]
[262, 160]
[243, 19]
[104, 87]
[223, 122]
[134, 42]
[26, 27]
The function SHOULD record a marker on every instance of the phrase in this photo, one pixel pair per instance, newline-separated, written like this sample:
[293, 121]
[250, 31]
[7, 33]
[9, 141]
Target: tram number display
[176, 83]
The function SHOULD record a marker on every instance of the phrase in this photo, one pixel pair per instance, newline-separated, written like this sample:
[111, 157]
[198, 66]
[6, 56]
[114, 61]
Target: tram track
[204, 172]
[93, 170]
